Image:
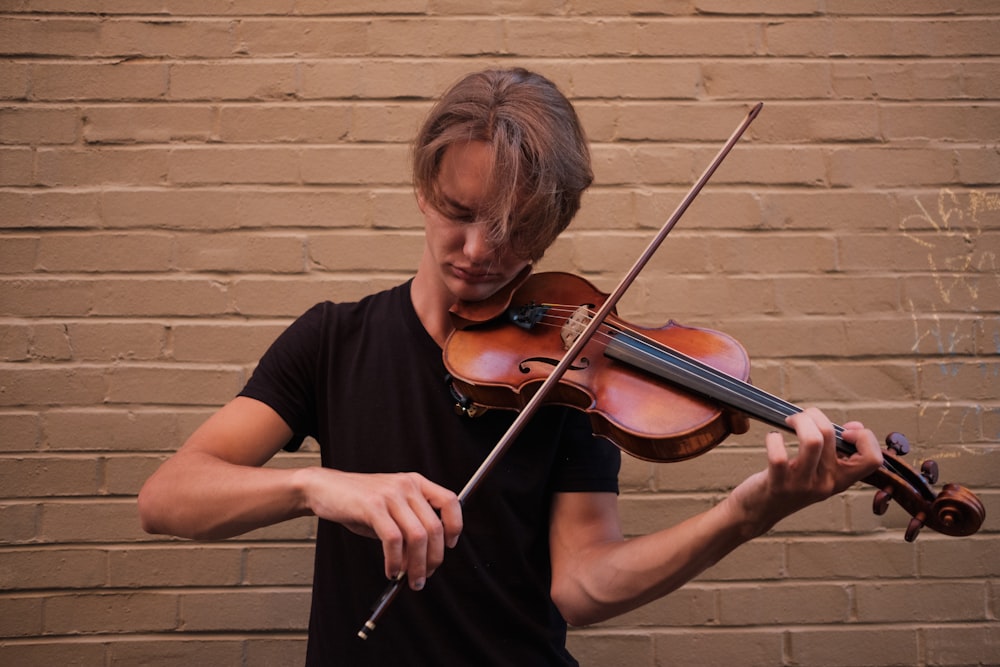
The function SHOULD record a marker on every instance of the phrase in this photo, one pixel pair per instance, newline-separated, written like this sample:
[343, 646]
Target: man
[499, 168]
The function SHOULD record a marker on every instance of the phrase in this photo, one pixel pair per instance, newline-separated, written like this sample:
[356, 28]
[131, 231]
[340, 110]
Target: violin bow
[532, 406]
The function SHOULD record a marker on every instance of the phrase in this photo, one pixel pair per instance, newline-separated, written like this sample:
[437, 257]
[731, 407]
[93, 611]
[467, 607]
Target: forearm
[199, 496]
[615, 576]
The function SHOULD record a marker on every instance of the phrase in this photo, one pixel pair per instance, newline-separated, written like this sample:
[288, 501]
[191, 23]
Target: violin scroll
[955, 511]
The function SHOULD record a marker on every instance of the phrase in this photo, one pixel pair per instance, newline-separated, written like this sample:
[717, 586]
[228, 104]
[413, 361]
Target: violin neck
[687, 372]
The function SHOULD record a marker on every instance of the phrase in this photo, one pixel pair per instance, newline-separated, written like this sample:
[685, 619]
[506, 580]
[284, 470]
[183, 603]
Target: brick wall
[180, 179]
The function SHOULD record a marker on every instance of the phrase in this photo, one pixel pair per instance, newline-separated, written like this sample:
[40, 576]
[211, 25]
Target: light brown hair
[541, 162]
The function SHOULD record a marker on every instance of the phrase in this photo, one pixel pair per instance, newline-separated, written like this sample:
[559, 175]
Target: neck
[432, 301]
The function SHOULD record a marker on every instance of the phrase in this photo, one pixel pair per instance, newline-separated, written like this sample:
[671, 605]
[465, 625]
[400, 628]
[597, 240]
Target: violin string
[720, 379]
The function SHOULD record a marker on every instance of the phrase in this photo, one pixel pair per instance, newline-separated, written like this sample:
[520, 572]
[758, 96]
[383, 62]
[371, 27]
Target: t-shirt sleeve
[585, 462]
[285, 377]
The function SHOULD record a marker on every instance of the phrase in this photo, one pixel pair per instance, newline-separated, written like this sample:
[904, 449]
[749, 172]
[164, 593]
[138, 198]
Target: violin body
[644, 416]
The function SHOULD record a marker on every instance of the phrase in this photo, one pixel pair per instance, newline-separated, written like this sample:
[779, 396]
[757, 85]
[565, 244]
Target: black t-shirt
[366, 380]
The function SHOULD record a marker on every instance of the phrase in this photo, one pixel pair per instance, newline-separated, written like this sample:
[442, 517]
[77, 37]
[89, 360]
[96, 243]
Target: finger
[451, 518]
[813, 431]
[391, 537]
[868, 457]
[777, 459]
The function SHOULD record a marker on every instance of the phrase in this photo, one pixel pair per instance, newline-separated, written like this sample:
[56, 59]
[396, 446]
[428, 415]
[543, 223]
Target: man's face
[469, 266]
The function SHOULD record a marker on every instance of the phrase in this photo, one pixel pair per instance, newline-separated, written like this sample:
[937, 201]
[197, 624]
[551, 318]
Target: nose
[478, 247]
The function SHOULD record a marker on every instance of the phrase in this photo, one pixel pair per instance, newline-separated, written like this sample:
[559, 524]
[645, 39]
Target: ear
[421, 203]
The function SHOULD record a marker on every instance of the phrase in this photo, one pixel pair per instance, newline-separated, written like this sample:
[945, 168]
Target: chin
[477, 291]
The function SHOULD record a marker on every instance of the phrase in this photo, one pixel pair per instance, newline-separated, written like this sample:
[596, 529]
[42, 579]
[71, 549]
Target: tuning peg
[881, 502]
[929, 471]
[898, 443]
[916, 523]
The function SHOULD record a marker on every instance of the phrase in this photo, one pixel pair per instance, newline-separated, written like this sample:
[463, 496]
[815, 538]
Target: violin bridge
[575, 326]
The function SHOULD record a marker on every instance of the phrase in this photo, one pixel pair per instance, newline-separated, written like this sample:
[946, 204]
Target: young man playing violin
[499, 169]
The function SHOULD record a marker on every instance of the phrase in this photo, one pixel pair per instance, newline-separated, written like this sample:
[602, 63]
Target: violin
[660, 394]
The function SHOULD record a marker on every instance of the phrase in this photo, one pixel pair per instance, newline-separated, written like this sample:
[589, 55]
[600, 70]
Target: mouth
[472, 275]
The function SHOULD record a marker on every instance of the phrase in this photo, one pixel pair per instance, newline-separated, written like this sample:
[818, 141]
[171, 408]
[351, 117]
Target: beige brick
[954, 601]
[977, 644]
[16, 168]
[224, 165]
[291, 297]
[785, 604]
[977, 167]
[148, 124]
[22, 618]
[50, 385]
[854, 645]
[104, 166]
[237, 80]
[449, 37]
[720, 647]
[39, 654]
[18, 253]
[212, 38]
[20, 521]
[897, 80]
[173, 384]
[357, 164]
[313, 38]
[390, 122]
[949, 558]
[14, 80]
[247, 609]
[116, 340]
[89, 521]
[726, 79]
[118, 430]
[888, 557]
[318, 123]
[287, 650]
[634, 79]
[98, 80]
[108, 253]
[27, 125]
[851, 381]
[270, 253]
[54, 37]
[597, 648]
[350, 251]
[280, 565]
[110, 612]
[762, 559]
[50, 209]
[15, 342]
[224, 342]
[951, 292]
[684, 37]
[203, 210]
[176, 565]
[159, 296]
[176, 649]
[46, 569]
[37, 477]
[22, 431]
[946, 122]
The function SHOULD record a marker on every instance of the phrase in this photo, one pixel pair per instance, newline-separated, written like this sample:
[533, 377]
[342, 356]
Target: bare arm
[596, 574]
[214, 488]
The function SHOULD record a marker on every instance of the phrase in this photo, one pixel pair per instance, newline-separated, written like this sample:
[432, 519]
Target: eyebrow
[453, 204]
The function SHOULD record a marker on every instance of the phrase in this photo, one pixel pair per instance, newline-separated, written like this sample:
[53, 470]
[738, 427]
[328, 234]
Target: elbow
[577, 608]
[149, 509]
